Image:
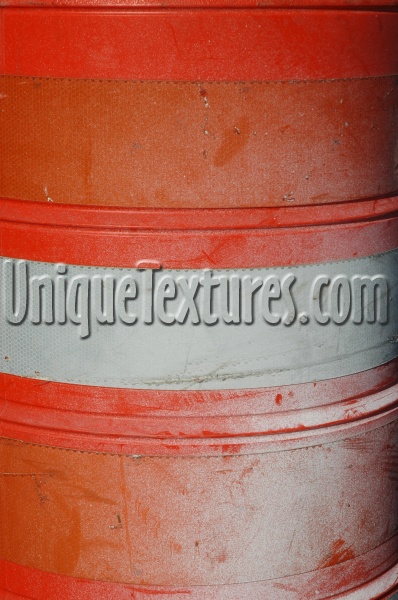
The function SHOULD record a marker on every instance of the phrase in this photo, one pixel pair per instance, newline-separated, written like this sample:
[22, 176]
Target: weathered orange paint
[157, 520]
[291, 143]
[208, 134]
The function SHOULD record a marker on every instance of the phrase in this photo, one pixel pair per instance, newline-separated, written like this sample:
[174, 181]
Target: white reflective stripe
[194, 355]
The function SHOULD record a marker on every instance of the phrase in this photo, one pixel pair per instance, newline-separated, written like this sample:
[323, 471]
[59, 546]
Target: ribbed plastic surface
[147, 453]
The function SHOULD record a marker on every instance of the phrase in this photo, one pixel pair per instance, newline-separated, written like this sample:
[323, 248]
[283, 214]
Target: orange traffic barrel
[198, 300]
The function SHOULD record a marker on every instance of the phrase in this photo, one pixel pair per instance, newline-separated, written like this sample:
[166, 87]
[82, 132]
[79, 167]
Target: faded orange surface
[197, 520]
[187, 145]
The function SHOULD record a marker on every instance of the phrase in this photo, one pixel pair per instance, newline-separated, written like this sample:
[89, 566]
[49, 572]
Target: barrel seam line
[169, 442]
[197, 81]
[215, 269]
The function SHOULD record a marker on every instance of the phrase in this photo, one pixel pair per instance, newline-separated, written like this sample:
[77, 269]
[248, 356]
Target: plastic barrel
[198, 311]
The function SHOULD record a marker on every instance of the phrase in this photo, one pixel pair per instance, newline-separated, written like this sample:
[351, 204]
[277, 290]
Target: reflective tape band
[187, 145]
[191, 329]
[163, 511]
